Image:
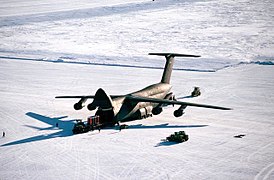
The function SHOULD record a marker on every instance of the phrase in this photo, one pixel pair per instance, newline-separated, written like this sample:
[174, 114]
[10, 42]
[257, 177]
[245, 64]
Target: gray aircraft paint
[139, 104]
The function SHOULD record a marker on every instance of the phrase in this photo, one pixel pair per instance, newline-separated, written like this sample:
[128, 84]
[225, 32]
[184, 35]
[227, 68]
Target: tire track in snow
[265, 172]
[82, 162]
[139, 152]
[23, 157]
[126, 172]
[40, 149]
[97, 169]
[259, 150]
[77, 166]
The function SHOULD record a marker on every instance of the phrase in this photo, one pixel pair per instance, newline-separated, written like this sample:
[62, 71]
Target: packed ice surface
[115, 32]
[35, 149]
[100, 44]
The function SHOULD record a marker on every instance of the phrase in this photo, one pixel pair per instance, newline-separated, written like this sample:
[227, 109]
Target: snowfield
[53, 48]
[223, 32]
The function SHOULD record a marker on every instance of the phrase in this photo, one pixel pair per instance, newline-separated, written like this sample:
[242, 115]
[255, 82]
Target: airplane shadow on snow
[56, 123]
[66, 126]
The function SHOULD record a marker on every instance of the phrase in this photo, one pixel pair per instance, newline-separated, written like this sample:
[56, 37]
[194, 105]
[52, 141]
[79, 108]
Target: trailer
[92, 123]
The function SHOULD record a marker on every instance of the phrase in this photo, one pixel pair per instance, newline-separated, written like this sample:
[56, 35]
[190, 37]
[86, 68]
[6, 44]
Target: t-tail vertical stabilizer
[169, 64]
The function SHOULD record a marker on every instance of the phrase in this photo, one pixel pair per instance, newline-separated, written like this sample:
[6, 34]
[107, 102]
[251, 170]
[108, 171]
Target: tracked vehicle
[178, 137]
[196, 92]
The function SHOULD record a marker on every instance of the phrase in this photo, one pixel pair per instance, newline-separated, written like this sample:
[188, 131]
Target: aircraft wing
[171, 102]
[74, 97]
[85, 97]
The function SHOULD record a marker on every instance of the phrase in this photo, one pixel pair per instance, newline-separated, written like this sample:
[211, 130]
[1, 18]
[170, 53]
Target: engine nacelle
[157, 110]
[80, 104]
[91, 107]
[178, 113]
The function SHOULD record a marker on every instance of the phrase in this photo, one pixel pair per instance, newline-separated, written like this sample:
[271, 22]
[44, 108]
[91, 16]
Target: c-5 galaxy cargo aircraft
[140, 104]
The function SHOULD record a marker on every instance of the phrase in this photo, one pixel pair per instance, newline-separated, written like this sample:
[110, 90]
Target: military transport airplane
[140, 104]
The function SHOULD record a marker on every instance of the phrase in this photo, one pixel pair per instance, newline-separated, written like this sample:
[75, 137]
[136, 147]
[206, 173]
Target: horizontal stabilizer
[173, 54]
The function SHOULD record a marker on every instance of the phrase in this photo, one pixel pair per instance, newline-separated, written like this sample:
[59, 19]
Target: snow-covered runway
[34, 149]
[50, 48]
[117, 32]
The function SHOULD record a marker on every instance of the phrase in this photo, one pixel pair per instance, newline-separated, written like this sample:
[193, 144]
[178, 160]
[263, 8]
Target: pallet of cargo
[93, 122]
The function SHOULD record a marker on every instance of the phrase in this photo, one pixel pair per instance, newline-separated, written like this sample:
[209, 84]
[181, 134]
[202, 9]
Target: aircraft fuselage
[140, 104]
[125, 110]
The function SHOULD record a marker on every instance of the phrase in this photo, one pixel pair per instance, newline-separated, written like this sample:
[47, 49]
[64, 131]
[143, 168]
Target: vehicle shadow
[166, 143]
[166, 125]
[56, 123]
[185, 97]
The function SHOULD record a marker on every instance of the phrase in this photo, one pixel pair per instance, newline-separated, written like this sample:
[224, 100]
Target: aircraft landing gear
[123, 126]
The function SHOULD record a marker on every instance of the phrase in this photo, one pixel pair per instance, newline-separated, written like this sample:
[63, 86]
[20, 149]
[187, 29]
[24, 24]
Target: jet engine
[91, 107]
[179, 112]
[157, 110]
[79, 105]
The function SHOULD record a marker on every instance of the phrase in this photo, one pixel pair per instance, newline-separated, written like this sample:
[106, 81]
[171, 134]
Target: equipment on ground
[178, 137]
[123, 126]
[240, 136]
[93, 122]
[196, 92]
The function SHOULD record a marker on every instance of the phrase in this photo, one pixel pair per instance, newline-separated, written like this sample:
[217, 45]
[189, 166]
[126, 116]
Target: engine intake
[157, 110]
[179, 112]
[91, 107]
[79, 105]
